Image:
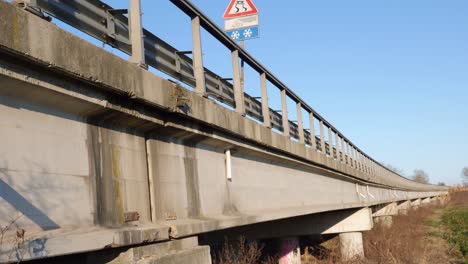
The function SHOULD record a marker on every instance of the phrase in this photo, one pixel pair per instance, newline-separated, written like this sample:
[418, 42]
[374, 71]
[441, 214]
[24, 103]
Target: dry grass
[412, 239]
[242, 252]
[406, 241]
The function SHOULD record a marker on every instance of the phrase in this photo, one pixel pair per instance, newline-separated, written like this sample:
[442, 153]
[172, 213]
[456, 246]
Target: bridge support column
[290, 252]
[383, 214]
[350, 232]
[416, 203]
[403, 207]
[426, 200]
[385, 220]
[351, 246]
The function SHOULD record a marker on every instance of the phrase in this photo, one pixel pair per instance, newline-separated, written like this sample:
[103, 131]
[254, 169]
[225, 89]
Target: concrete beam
[383, 214]
[385, 210]
[351, 220]
[416, 203]
[426, 200]
[403, 207]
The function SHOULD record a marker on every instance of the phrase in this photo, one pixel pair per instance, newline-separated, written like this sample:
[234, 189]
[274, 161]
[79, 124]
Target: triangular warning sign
[239, 8]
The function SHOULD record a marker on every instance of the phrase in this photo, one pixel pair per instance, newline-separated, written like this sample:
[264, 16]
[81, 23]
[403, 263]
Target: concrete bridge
[102, 161]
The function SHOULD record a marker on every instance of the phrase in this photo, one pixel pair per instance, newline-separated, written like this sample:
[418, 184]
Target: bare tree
[393, 168]
[420, 176]
[441, 183]
[465, 176]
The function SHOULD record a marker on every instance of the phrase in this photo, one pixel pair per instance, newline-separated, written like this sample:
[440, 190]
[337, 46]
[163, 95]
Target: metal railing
[112, 27]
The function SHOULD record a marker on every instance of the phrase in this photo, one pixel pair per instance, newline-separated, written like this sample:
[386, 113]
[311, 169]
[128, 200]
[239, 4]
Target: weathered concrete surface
[351, 246]
[416, 203]
[333, 222]
[198, 255]
[63, 242]
[385, 220]
[181, 251]
[403, 207]
[88, 139]
[385, 209]
[426, 200]
[47, 45]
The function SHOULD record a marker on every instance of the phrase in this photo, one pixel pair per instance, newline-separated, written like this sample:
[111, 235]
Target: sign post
[241, 23]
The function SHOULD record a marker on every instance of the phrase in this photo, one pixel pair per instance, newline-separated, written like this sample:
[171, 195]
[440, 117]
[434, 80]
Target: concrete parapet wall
[38, 40]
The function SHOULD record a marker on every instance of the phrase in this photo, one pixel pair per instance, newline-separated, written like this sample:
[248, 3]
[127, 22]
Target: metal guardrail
[111, 26]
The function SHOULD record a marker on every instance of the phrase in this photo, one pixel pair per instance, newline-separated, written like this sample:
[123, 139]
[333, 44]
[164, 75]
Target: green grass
[455, 220]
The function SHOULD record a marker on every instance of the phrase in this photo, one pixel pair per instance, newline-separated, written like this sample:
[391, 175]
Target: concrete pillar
[403, 207]
[385, 220]
[343, 151]
[322, 138]
[383, 214]
[349, 158]
[426, 200]
[330, 143]
[136, 34]
[198, 68]
[416, 203]
[265, 107]
[338, 149]
[289, 251]
[351, 246]
[236, 82]
[300, 125]
[313, 144]
[284, 113]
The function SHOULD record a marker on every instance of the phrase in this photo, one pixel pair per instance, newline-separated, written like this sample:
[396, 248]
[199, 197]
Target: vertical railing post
[136, 34]
[284, 110]
[343, 150]
[364, 159]
[265, 107]
[313, 144]
[322, 138]
[238, 92]
[360, 161]
[355, 157]
[330, 143]
[337, 143]
[347, 152]
[197, 53]
[300, 124]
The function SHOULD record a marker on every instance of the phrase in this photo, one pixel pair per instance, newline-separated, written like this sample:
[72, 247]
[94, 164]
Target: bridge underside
[98, 153]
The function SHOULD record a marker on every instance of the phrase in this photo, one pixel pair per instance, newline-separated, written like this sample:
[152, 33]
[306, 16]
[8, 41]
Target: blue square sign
[243, 33]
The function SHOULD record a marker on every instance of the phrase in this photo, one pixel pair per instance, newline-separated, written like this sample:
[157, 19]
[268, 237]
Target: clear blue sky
[390, 75]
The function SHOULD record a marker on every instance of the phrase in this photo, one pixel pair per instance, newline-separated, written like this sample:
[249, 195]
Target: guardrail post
[322, 138]
[136, 34]
[330, 143]
[338, 151]
[313, 144]
[300, 125]
[347, 152]
[238, 93]
[364, 159]
[343, 150]
[361, 165]
[197, 53]
[284, 109]
[358, 158]
[355, 157]
[265, 107]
